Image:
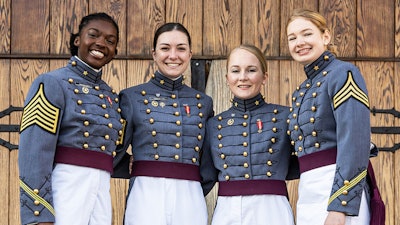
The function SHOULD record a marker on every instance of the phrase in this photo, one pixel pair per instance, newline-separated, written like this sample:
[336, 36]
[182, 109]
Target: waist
[252, 187]
[317, 159]
[83, 157]
[164, 169]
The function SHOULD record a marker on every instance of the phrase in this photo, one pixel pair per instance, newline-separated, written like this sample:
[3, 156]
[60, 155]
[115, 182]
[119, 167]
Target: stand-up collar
[318, 65]
[84, 70]
[248, 104]
[166, 83]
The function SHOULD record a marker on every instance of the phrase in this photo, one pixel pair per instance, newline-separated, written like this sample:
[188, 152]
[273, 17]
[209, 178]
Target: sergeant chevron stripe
[41, 112]
[36, 197]
[350, 89]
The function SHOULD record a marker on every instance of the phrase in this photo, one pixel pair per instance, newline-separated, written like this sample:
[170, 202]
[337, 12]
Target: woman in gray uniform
[247, 149]
[329, 126]
[165, 125]
[70, 127]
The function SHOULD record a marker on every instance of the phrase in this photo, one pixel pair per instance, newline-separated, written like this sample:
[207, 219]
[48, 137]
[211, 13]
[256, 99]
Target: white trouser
[314, 191]
[253, 210]
[81, 195]
[165, 201]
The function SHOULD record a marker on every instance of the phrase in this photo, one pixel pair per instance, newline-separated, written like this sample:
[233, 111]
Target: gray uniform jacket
[248, 150]
[330, 119]
[165, 126]
[70, 116]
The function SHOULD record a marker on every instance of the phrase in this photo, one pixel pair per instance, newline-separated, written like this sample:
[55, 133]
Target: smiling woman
[73, 117]
[165, 125]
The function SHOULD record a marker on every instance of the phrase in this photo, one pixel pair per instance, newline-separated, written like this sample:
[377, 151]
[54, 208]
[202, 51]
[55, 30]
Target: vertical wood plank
[272, 89]
[341, 20]
[5, 26]
[396, 206]
[375, 33]
[260, 25]
[65, 18]
[222, 27]
[379, 78]
[23, 73]
[190, 14]
[286, 9]
[143, 18]
[4, 152]
[30, 17]
[396, 28]
[117, 10]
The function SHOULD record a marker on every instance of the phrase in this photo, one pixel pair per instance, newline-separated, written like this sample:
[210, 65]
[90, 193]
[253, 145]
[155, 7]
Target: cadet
[165, 125]
[70, 127]
[247, 149]
[329, 125]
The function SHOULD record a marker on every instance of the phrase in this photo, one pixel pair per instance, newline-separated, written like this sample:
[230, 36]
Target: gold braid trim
[350, 89]
[36, 197]
[352, 183]
[41, 112]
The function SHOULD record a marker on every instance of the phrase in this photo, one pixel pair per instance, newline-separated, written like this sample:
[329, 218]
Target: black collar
[166, 83]
[84, 70]
[318, 65]
[248, 104]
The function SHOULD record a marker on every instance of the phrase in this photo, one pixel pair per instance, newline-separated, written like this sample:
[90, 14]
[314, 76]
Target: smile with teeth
[97, 54]
[173, 64]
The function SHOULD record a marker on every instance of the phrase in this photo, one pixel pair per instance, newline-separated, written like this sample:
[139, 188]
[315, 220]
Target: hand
[130, 164]
[335, 218]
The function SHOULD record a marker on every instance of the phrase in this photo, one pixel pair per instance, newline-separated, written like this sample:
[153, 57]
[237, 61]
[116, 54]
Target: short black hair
[85, 20]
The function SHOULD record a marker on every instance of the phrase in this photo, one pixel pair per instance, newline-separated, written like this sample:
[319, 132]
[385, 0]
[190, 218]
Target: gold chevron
[41, 112]
[352, 183]
[36, 197]
[350, 89]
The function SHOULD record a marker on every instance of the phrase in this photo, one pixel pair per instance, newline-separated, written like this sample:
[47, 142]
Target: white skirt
[314, 192]
[165, 201]
[81, 195]
[253, 210]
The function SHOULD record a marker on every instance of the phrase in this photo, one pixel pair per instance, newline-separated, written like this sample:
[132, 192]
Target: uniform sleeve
[122, 158]
[39, 130]
[350, 106]
[208, 172]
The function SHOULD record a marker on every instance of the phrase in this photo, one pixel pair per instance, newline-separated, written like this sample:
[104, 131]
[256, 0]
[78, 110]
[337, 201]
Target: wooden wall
[34, 37]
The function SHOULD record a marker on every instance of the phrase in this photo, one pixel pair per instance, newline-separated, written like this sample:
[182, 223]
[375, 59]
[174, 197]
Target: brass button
[269, 174]
[245, 154]
[346, 182]
[36, 202]
[85, 146]
[227, 177]
[247, 176]
[245, 165]
[36, 213]
[156, 156]
[176, 157]
[225, 166]
[344, 203]
[177, 145]
[194, 160]
[222, 156]
[103, 148]
[36, 191]
[155, 145]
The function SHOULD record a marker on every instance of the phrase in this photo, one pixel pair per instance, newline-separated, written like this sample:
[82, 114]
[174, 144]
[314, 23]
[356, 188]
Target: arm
[38, 140]
[351, 111]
